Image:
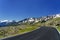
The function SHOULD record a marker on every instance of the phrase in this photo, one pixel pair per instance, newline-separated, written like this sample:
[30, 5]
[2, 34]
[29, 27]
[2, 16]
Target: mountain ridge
[30, 20]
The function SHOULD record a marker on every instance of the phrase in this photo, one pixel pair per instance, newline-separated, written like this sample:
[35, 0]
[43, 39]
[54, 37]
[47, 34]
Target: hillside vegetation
[15, 30]
[53, 23]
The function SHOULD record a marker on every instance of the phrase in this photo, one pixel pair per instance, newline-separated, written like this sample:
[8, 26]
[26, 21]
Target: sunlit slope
[19, 29]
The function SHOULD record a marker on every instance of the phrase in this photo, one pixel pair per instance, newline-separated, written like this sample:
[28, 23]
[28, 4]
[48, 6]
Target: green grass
[21, 29]
[58, 28]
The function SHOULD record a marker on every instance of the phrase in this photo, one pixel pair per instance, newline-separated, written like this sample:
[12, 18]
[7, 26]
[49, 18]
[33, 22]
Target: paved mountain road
[43, 33]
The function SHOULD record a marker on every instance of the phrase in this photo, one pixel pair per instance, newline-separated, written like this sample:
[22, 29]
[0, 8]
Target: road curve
[43, 33]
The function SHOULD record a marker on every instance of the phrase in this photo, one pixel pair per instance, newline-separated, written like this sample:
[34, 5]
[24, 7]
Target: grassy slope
[21, 29]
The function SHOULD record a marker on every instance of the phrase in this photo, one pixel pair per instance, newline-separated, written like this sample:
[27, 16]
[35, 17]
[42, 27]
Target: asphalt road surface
[43, 33]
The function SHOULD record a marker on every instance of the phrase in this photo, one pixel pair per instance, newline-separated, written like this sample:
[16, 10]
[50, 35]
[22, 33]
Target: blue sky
[20, 9]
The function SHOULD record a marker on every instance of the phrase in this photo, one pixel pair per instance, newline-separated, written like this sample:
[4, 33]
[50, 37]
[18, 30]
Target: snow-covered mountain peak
[5, 21]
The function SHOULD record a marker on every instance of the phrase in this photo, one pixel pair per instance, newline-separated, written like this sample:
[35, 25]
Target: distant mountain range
[7, 22]
[28, 20]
